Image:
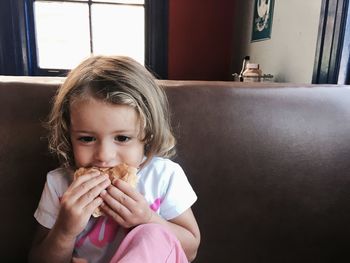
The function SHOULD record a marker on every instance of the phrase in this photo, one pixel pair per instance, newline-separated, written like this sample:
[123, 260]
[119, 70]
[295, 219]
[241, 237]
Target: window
[62, 33]
[332, 62]
[96, 27]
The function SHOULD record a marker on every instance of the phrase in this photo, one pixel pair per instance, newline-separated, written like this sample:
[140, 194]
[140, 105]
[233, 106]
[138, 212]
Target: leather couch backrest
[24, 162]
[270, 164]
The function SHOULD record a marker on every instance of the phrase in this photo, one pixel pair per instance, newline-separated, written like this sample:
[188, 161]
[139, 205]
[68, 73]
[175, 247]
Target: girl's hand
[125, 205]
[79, 202]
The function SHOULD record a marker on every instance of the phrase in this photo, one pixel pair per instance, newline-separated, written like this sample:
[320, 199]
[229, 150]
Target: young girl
[110, 111]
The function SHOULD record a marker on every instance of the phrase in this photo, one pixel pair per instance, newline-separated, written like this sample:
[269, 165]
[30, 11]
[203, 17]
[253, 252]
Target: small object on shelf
[267, 78]
[244, 65]
[235, 77]
[252, 73]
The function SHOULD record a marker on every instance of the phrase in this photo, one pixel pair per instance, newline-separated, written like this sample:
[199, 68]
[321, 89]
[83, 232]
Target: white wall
[290, 53]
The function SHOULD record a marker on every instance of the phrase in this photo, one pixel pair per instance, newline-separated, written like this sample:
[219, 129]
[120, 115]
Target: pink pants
[150, 243]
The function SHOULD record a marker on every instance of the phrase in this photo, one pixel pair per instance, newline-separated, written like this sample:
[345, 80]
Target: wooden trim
[13, 38]
[156, 53]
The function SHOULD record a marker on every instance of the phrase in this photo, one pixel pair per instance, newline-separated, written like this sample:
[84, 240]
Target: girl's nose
[105, 155]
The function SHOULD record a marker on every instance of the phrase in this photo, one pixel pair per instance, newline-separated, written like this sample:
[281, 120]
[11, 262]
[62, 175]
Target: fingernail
[103, 176]
[114, 180]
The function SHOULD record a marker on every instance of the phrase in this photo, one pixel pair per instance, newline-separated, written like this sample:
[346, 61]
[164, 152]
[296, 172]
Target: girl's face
[105, 135]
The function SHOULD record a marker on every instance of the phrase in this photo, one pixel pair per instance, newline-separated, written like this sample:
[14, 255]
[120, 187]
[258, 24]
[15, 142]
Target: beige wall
[290, 53]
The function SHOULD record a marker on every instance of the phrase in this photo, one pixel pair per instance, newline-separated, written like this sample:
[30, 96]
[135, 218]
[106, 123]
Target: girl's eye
[122, 138]
[87, 139]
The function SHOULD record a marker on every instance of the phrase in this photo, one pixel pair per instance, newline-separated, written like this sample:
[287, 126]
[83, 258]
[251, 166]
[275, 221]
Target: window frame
[332, 50]
[25, 55]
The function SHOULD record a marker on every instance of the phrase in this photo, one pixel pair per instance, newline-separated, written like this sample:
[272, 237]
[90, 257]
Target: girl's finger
[86, 186]
[81, 179]
[94, 192]
[90, 207]
[118, 204]
[113, 214]
[120, 196]
[127, 189]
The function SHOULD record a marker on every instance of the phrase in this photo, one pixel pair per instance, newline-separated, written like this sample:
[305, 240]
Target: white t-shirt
[162, 182]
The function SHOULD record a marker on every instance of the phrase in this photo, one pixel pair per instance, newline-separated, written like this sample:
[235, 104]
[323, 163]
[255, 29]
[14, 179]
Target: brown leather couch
[270, 164]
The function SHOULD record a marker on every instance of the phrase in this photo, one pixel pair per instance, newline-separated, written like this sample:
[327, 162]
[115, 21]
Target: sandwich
[122, 171]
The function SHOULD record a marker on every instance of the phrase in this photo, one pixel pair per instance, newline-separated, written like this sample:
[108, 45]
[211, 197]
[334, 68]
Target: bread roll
[121, 171]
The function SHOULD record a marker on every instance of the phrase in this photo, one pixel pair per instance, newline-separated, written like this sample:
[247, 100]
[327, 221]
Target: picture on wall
[262, 20]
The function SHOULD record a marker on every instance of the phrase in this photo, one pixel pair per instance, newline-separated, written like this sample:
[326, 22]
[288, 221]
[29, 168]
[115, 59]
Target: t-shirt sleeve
[179, 195]
[49, 204]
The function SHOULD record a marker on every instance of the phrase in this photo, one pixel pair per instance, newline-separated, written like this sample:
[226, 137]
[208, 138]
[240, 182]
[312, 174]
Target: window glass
[62, 34]
[118, 30]
[122, 1]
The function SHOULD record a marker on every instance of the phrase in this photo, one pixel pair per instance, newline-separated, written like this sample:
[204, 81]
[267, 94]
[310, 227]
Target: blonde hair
[116, 80]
